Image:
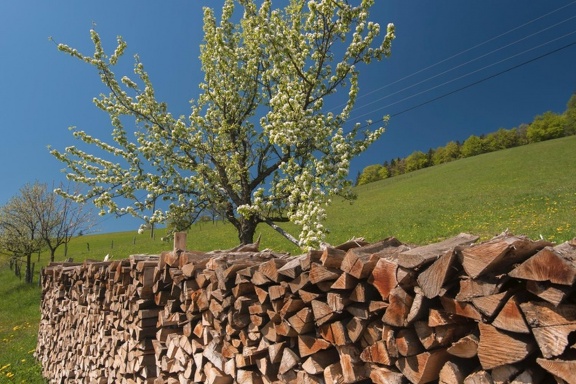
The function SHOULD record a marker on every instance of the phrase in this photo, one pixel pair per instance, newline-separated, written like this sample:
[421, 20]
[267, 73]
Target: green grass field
[529, 190]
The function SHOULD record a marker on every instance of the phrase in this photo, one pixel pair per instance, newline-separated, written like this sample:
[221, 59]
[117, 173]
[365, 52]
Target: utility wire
[466, 75]
[463, 64]
[484, 79]
[477, 82]
[468, 49]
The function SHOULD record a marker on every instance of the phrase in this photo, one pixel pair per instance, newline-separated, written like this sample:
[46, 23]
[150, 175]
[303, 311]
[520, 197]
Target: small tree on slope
[258, 145]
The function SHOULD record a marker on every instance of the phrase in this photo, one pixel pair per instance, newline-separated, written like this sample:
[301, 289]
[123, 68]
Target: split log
[419, 256]
[479, 377]
[377, 353]
[548, 265]
[466, 347]
[510, 318]
[317, 363]
[382, 375]
[359, 262]
[399, 308]
[309, 345]
[498, 253]
[497, 348]
[563, 369]
[550, 325]
[451, 373]
[552, 293]
[383, 277]
[433, 278]
[424, 367]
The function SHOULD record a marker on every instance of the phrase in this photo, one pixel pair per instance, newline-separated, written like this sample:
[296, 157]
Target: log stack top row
[457, 311]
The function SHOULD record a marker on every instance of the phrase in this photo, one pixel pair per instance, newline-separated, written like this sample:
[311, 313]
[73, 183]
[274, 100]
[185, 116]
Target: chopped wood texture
[466, 347]
[424, 367]
[451, 373]
[551, 325]
[455, 311]
[499, 252]
[416, 257]
[565, 370]
[432, 279]
[497, 348]
[510, 318]
[548, 265]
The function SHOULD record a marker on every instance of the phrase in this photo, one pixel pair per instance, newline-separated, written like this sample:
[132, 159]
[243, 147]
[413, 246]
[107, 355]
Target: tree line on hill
[546, 126]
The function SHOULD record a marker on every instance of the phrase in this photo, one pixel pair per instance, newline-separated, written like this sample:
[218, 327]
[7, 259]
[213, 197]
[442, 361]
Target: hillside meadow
[529, 190]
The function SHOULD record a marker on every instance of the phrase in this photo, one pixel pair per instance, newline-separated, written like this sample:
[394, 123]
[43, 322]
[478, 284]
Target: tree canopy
[37, 218]
[258, 145]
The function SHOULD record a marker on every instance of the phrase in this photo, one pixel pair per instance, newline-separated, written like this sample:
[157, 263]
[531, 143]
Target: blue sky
[481, 60]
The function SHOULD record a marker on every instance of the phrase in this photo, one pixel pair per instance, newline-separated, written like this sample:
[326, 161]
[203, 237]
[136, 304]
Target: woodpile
[500, 311]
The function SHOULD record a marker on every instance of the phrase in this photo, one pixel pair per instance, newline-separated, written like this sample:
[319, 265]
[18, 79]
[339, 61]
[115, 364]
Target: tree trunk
[246, 230]
[28, 277]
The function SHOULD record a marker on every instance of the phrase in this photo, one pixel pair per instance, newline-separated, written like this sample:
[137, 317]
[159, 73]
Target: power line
[478, 81]
[467, 74]
[486, 78]
[468, 62]
[469, 49]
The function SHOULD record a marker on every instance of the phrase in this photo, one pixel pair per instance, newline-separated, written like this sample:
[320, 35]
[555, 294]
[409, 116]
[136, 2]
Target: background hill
[528, 190]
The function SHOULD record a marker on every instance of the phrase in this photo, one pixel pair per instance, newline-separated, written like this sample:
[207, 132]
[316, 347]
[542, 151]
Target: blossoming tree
[258, 145]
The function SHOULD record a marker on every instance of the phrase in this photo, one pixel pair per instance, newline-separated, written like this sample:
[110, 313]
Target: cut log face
[399, 308]
[460, 308]
[384, 277]
[309, 345]
[376, 353]
[382, 375]
[505, 373]
[431, 280]
[498, 253]
[547, 265]
[317, 363]
[550, 325]
[332, 257]
[565, 370]
[480, 287]
[552, 293]
[424, 367]
[451, 373]
[359, 262]
[497, 348]
[490, 305]
[466, 347]
[408, 343]
[510, 318]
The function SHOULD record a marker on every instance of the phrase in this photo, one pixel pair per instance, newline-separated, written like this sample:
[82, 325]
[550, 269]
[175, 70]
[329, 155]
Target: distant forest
[547, 126]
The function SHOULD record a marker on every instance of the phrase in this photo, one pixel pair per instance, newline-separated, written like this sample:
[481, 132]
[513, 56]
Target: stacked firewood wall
[457, 311]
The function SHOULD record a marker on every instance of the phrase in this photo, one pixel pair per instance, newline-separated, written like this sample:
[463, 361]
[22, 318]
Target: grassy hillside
[529, 190]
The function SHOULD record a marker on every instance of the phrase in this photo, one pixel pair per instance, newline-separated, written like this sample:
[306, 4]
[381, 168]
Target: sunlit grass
[528, 190]
[19, 317]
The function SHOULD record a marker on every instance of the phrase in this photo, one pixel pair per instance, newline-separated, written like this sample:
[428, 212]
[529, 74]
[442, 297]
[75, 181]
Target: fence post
[179, 241]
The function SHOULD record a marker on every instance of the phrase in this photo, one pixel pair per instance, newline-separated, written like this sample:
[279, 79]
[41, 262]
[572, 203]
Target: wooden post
[179, 241]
